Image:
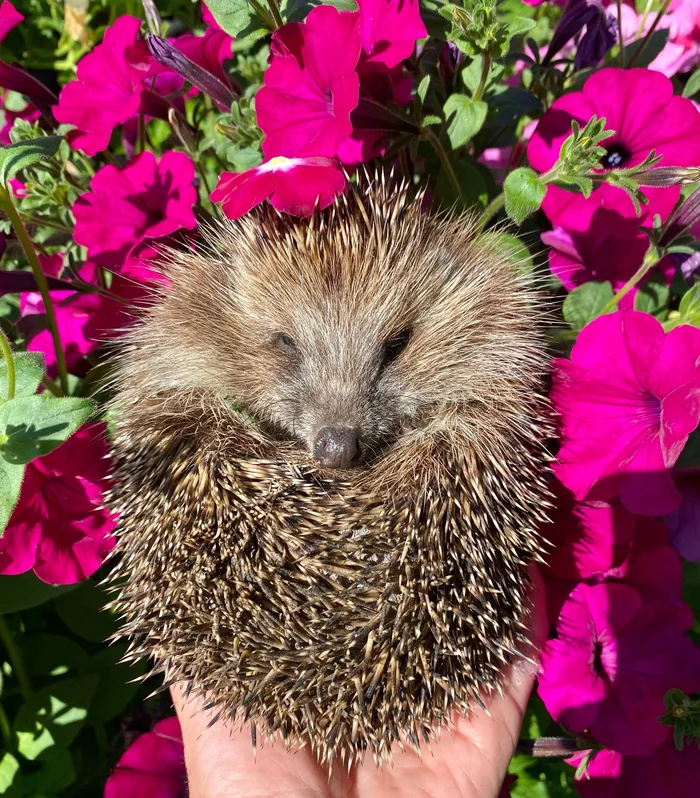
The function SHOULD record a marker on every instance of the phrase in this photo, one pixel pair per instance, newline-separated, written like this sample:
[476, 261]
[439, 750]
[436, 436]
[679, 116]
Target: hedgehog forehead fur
[374, 321]
[345, 610]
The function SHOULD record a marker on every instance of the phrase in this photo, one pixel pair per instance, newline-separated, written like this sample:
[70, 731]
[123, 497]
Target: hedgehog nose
[336, 447]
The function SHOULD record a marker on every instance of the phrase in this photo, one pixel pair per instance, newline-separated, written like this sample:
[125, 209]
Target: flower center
[615, 156]
[598, 668]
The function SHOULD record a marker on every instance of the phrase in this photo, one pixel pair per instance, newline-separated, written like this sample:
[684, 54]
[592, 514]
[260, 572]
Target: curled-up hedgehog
[330, 466]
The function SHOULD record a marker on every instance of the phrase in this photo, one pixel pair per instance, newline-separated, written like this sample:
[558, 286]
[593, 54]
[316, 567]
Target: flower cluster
[575, 118]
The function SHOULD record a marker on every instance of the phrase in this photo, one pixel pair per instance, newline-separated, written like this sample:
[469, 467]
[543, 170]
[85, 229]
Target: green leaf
[524, 193]
[82, 612]
[25, 591]
[693, 85]
[656, 44]
[54, 715]
[423, 87]
[515, 28]
[36, 425]
[465, 118]
[652, 297]
[471, 182]
[52, 655]
[431, 119]
[10, 483]
[117, 686]
[689, 309]
[56, 772]
[586, 303]
[513, 249]
[9, 776]
[234, 17]
[29, 371]
[18, 156]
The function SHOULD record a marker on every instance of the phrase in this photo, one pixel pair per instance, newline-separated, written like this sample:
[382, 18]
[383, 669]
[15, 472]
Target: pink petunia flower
[152, 767]
[310, 86]
[614, 658]
[632, 102]
[388, 30]
[628, 399]
[603, 542]
[108, 88]
[293, 185]
[682, 49]
[146, 199]
[85, 320]
[9, 18]
[578, 258]
[667, 773]
[208, 18]
[59, 526]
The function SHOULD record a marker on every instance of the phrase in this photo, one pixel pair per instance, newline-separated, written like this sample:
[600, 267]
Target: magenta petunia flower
[614, 658]
[209, 51]
[310, 86]
[603, 542]
[684, 523]
[628, 399]
[633, 101]
[9, 18]
[84, 320]
[293, 185]
[107, 91]
[59, 526]
[667, 773]
[208, 18]
[144, 200]
[388, 30]
[152, 767]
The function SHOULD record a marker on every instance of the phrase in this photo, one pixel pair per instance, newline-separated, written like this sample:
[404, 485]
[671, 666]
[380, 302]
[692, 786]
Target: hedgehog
[330, 458]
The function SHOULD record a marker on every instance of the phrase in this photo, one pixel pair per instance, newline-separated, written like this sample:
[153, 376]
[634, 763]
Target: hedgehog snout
[336, 447]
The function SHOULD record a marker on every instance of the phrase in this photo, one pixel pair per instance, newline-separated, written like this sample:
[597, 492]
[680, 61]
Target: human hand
[468, 761]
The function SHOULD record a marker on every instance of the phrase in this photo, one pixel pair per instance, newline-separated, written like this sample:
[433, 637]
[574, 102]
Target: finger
[221, 763]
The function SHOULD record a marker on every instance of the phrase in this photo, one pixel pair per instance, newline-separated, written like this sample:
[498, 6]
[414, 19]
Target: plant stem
[630, 284]
[275, 9]
[7, 354]
[46, 223]
[490, 210]
[650, 32]
[5, 729]
[268, 19]
[619, 27]
[8, 207]
[15, 658]
[485, 69]
[445, 161]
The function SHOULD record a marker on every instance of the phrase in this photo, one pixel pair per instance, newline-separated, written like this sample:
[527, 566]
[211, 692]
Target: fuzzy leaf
[586, 303]
[235, 18]
[32, 426]
[524, 193]
[465, 118]
[10, 483]
[18, 156]
[431, 119]
[29, 371]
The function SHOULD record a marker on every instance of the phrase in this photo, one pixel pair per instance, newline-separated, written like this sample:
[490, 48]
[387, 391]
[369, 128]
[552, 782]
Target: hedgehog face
[334, 382]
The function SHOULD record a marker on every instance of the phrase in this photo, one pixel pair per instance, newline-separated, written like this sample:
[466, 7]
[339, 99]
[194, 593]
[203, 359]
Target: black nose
[336, 447]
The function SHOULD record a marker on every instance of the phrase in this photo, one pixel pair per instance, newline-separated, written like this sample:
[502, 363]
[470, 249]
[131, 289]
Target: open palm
[468, 761]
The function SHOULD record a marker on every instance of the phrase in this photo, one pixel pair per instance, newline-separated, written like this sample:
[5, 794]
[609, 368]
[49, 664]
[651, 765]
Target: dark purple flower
[600, 35]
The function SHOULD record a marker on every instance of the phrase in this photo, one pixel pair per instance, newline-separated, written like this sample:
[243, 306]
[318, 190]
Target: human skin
[468, 761]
